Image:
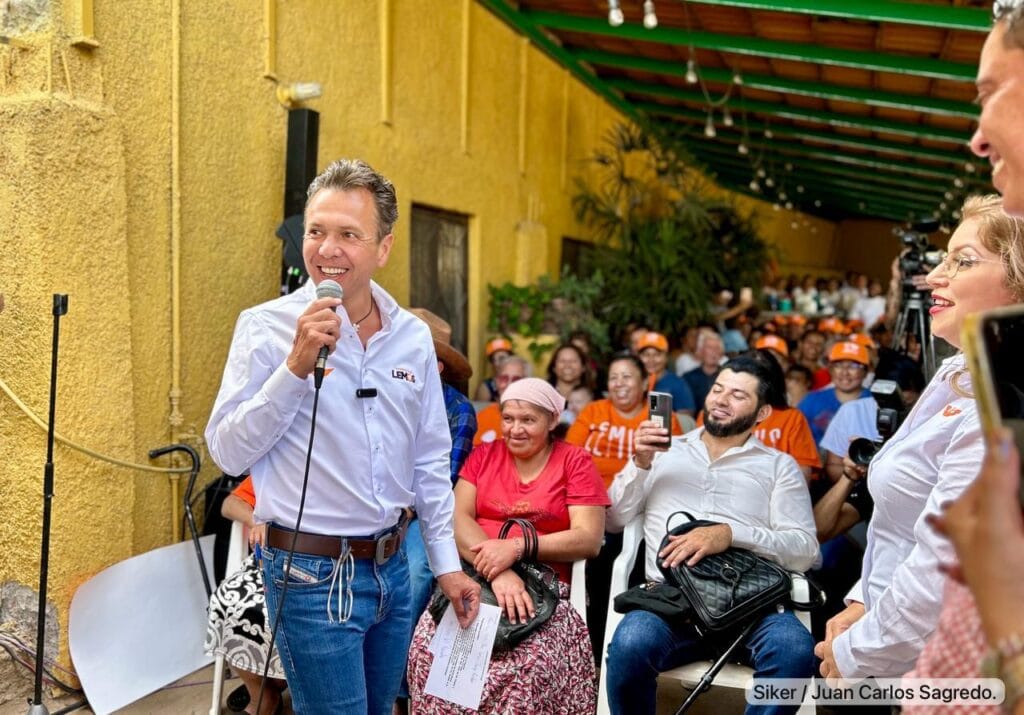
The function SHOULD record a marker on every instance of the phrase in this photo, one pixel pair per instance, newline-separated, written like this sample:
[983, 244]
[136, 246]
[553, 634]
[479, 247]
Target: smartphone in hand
[993, 342]
[661, 411]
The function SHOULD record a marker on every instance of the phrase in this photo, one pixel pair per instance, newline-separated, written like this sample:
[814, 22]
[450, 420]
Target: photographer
[930, 460]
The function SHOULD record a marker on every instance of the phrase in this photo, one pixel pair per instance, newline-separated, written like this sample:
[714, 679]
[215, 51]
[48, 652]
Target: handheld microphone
[325, 289]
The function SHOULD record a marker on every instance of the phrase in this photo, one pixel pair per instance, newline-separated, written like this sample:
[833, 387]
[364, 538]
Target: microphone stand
[60, 307]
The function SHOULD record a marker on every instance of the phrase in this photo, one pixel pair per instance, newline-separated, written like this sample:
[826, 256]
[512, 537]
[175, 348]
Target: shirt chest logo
[401, 373]
[950, 411]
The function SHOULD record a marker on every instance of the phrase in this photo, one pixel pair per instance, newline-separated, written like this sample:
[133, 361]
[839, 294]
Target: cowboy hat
[456, 366]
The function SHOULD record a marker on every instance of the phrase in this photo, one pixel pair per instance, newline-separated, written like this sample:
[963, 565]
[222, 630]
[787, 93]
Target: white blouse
[930, 461]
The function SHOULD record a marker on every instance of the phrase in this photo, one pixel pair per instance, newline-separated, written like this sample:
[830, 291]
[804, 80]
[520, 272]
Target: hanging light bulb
[769, 182]
[782, 196]
[737, 78]
[948, 195]
[615, 16]
[789, 167]
[817, 203]
[958, 182]
[956, 214]
[789, 205]
[709, 127]
[726, 117]
[799, 188]
[943, 205]
[776, 207]
[754, 186]
[650, 19]
[761, 173]
[742, 149]
[691, 71]
[969, 168]
[768, 133]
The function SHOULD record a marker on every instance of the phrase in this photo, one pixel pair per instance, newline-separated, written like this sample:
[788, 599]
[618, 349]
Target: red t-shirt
[822, 378]
[607, 436]
[568, 479]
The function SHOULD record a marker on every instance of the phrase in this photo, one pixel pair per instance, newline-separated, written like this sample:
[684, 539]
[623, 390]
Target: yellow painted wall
[164, 147]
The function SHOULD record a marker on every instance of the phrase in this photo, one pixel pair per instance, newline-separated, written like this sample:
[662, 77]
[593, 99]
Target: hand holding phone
[661, 412]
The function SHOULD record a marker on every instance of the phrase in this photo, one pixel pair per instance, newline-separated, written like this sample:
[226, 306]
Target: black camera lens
[863, 450]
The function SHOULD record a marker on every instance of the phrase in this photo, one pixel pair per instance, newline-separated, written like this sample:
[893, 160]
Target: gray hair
[350, 174]
[705, 336]
[1013, 12]
[519, 360]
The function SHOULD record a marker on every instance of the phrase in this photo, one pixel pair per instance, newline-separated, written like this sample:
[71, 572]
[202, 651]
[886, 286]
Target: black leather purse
[726, 590]
[541, 584]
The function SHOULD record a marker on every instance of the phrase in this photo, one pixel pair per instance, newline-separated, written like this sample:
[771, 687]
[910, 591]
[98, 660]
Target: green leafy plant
[550, 308]
[664, 236]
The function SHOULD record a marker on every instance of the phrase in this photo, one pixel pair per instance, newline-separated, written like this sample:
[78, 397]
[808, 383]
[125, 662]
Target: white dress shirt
[758, 491]
[931, 460]
[371, 456]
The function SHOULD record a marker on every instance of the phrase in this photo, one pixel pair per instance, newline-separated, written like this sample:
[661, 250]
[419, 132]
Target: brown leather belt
[380, 549]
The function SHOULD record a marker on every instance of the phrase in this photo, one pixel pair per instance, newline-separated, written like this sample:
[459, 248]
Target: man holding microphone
[381, 447]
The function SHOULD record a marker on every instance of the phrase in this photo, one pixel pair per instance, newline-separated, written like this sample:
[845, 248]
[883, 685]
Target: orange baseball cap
[497, 345]
[848, 351]
[832, 325]
[863, 340]
[797, 319]
[653, 340]
[772, 342]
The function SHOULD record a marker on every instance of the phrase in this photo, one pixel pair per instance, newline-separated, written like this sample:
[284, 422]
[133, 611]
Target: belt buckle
[382, 544]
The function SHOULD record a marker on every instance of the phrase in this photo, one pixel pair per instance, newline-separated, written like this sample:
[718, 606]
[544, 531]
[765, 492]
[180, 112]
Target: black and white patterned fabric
[237, 626]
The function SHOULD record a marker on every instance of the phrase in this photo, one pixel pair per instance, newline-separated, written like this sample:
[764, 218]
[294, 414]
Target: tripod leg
[710, 673]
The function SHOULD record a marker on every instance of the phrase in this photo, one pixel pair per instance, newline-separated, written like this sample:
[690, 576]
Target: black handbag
[728, 589]
[540, 581]
[664, 600]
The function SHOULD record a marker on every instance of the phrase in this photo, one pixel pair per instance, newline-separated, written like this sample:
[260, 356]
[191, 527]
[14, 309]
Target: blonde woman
[931, 460]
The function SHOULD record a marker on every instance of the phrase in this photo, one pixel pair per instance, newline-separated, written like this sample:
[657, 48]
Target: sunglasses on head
[1005, 8]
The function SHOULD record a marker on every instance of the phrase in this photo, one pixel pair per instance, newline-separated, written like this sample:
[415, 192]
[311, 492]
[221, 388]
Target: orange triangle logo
[950, 411]
[329, 370]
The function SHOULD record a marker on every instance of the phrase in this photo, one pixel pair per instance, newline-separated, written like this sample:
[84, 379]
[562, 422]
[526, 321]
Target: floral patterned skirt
[550, 673]
[237, 627]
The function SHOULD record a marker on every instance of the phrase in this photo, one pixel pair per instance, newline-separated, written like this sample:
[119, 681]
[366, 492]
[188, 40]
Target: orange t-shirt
[245, 492]
[488, 424]
[608, 436]
[786, 430]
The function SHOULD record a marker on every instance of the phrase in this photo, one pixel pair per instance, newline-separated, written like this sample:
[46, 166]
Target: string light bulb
[789, 205]
[615, 16]
[782, 196]
[650, 18]
[969, 168]
[742, 149]
[691, 71]
[769, 182]
[709, 127]
[799, 188]
[768, 133]
[754, 186]
[737, 78]
[726, 117]
[958, 182]
[761, 173]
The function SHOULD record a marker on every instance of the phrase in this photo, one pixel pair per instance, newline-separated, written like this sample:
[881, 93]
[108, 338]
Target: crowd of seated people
[778, 398]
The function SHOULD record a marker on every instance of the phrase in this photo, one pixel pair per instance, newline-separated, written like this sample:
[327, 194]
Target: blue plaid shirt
[461, 423]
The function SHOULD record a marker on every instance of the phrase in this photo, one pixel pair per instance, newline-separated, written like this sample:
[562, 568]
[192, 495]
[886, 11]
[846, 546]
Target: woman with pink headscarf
[526, 475]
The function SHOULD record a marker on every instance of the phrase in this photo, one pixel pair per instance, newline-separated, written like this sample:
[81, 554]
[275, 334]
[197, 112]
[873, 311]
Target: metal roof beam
[904, 150]
[514, 18]
[917, 131]
[756, 46]
[862, 95]
[944, 17]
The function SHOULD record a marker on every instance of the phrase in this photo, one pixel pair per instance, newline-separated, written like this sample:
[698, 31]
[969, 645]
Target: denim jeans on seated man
[644, 645]
[337, 665]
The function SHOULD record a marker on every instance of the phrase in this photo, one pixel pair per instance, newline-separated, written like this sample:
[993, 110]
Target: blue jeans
[333, 667]
[421, 580]
[644, 646]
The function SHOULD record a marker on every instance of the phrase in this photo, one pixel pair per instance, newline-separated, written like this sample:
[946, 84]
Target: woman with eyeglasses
[934, 456]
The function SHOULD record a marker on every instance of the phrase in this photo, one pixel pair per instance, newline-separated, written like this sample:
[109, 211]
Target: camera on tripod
[921, 256]
[892, 410]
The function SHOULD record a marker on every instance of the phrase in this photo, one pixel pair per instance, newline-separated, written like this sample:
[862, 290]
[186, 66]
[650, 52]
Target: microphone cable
[291, 553]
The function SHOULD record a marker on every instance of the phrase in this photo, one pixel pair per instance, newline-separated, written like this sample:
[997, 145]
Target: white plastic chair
[578, 587]
[238, 550]
[730, 676]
